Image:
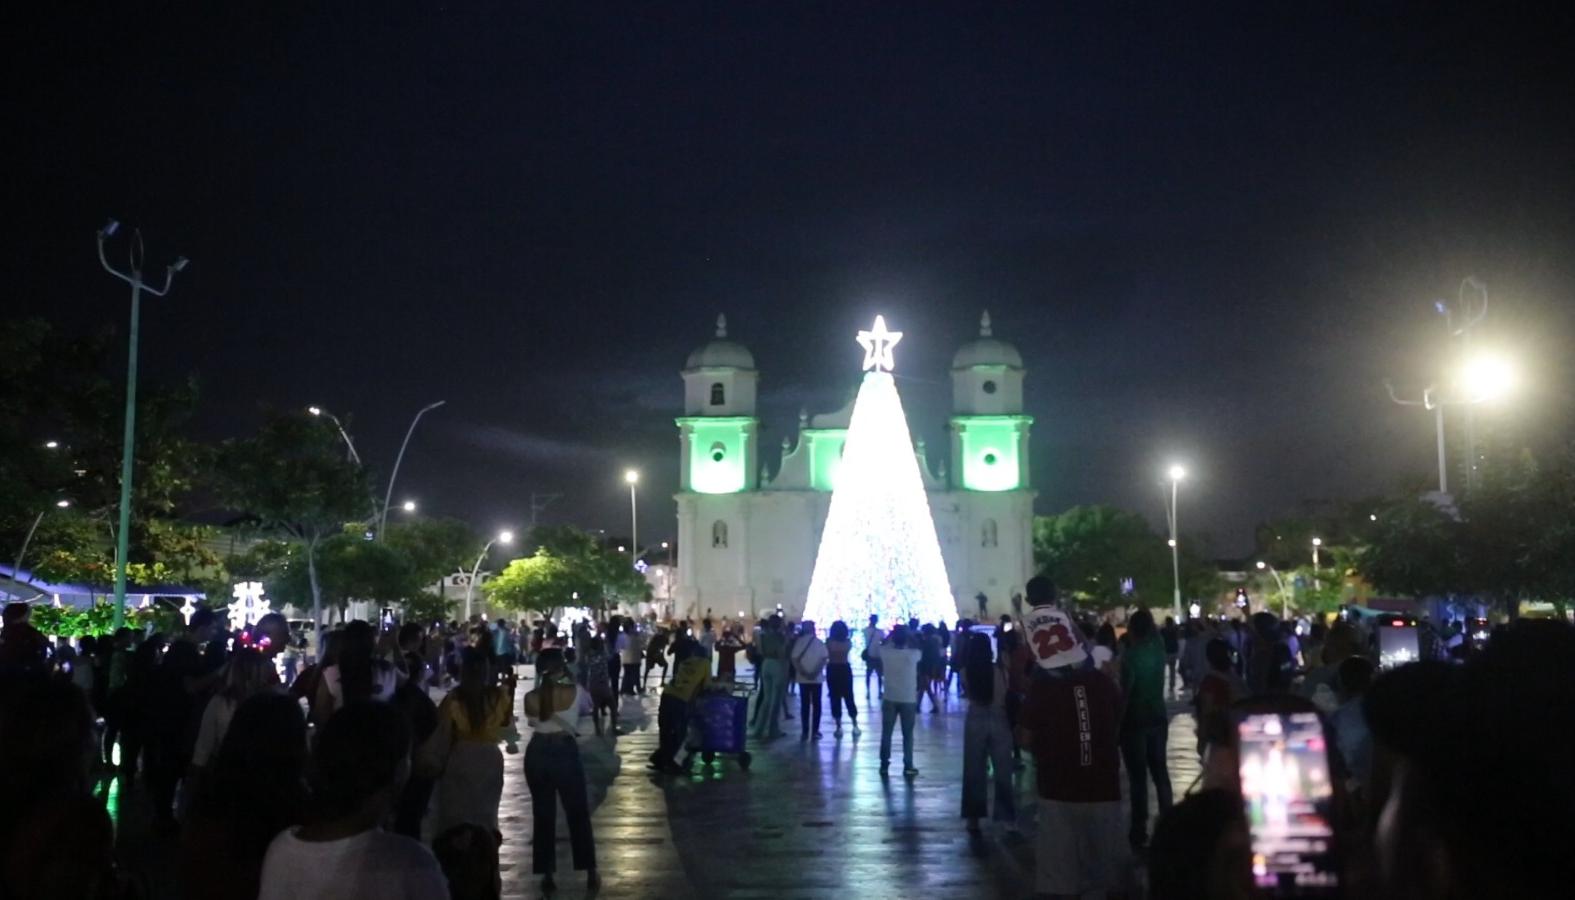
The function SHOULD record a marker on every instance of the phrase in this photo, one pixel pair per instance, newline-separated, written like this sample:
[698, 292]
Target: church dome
[986, 350]
[721, 353]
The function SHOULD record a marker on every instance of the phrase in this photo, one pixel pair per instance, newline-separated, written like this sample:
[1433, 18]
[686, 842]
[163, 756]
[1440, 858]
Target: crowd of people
[373, 764]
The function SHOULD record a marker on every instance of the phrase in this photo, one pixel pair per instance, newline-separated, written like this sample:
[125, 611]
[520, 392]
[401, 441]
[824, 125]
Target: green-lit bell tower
[719, 429]
[989, 429]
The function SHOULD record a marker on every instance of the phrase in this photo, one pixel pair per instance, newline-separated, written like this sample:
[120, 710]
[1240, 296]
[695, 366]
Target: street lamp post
[633, 478]
[504, 537]
[16, 568]
[382, 518]
[1316, 543]
[1176, 473]
[133, 277]
[349, 444]
[1285, 598]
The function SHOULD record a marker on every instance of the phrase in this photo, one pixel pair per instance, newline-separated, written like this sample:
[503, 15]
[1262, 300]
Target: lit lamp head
[1176, 473]
[315, 410]
[1262, 565]
[62, 503]
[409, 506]
[1487, 378]
[505, 537]
[51, 445]
[631, 476]
[1317, 542]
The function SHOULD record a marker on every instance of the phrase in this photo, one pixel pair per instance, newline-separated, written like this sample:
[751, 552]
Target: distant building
[747, 538]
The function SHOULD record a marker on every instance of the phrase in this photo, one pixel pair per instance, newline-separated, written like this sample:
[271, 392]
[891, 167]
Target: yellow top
[452, 711]
[691, 675]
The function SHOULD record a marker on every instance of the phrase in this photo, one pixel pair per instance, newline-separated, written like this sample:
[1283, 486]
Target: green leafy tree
[433, 548]
[567, 562]
[294, 478]
[1090, 551]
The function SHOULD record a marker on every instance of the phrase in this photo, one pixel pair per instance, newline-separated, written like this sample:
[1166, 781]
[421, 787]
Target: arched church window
[719, 534]
[718, 394]
[989, 534]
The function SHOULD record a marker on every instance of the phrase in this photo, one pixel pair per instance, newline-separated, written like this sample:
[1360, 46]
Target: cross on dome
[877, 344]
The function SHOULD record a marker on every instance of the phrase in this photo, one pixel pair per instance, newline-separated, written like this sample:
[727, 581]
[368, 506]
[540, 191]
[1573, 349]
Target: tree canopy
[566, 564]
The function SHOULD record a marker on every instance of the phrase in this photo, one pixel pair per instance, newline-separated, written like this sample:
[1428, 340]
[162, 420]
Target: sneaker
[837, 732]
[856, 731]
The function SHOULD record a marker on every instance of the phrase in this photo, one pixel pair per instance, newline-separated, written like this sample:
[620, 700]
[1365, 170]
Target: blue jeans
[889, 713]
[987, 739]
[1143, 751]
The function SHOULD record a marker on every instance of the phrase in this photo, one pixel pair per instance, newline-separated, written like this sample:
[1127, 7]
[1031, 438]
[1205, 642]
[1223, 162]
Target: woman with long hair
[987, 738]
[471, 723]
[247, 674]
[839, 677]
[254, 789]
[554, 771]
[1145, 722]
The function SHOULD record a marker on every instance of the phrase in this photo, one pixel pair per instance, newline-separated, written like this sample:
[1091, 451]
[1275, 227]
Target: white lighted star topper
[877, 344]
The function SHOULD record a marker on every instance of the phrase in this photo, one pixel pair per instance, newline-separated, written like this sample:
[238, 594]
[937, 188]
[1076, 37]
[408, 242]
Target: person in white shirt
[809, 665]
[362, 760]
[900, 700]
[554, 771]
[871, 655]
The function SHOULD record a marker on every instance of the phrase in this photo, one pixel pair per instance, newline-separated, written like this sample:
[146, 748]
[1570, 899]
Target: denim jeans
[889, 713]
[1143, 752]
[554, 773]
[809, 707]
[987, 739]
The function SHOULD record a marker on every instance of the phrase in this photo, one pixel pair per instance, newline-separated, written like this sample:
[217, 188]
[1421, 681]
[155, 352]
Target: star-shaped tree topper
[877, 344]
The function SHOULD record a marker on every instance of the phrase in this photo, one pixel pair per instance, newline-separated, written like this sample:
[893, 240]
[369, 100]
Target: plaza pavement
[809, 820]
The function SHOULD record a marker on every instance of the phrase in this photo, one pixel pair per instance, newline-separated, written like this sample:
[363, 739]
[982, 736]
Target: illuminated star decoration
[249, 605]
[877, 344]
[186, 609]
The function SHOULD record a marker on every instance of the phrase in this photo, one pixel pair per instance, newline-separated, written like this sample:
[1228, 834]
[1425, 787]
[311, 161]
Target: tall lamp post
[633, 478]
[1285, 599]
[319, 411]
[16, 568]
[133, 277]
[1176, 473]
[382, 518]
[504, 537]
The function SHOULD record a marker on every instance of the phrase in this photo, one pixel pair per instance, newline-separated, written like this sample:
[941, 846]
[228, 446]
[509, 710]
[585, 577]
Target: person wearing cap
[1071, 722]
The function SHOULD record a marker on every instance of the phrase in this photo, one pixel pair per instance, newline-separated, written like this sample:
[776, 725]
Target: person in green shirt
[1144, 723]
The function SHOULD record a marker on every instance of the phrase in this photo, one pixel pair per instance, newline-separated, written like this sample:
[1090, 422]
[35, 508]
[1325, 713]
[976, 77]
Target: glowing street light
[51, 445]
[408, 506]
[382, 521]
[1285, 599]
[1486, 378]
[349, 444]
[1176, 473]
[504, 537]
[16, 567]
[633, 478]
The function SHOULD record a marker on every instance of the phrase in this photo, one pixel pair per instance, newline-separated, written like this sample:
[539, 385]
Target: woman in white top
[359, 674]
[247, 674]
[808, 662]
[553, 769]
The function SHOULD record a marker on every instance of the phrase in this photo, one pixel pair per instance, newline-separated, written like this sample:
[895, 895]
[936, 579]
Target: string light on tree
[879, 554]
[249, 605]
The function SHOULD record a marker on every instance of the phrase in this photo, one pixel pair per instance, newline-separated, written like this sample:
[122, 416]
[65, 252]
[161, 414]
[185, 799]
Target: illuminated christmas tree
[878, 554]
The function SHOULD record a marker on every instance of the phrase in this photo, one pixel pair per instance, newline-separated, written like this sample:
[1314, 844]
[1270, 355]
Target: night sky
[1212, 234]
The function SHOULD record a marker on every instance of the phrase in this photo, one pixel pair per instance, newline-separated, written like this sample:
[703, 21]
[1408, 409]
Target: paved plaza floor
[811, 820]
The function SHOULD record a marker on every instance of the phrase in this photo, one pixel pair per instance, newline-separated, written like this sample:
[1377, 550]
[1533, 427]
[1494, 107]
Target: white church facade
[748, 537]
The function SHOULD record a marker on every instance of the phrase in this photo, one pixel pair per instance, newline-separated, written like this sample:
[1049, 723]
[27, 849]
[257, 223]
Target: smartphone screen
[1397, 643]
[1286, 786]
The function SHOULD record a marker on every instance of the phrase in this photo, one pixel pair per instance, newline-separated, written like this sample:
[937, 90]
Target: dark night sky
[1212, 235]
